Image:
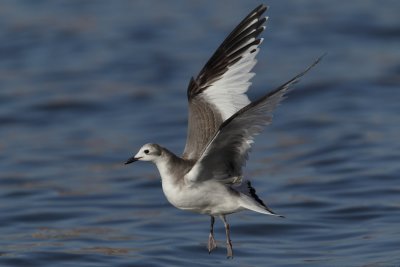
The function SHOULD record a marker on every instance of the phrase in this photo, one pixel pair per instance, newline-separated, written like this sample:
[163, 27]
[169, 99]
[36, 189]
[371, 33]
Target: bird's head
[148, 152]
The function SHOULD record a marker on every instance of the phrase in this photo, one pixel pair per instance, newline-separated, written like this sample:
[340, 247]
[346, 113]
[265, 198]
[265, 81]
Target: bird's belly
[205, 198]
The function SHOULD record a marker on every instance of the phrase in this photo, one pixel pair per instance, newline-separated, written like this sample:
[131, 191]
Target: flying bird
[222, 123]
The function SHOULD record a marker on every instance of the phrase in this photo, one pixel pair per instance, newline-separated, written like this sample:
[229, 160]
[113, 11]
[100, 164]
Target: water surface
[85, 83]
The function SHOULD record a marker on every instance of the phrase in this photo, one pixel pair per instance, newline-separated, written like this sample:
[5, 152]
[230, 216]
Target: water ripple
[85, 84]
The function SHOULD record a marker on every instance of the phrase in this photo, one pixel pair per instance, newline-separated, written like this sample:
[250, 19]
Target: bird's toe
[212, 244]
[229, 250]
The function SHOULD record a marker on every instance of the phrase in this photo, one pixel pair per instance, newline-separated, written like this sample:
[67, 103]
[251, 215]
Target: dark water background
[83, 84]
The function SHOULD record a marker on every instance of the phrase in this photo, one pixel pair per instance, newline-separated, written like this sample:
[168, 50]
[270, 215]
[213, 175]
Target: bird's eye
[146, 151]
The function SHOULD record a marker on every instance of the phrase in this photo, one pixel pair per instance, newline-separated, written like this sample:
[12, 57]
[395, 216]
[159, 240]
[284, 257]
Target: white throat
[164, 167]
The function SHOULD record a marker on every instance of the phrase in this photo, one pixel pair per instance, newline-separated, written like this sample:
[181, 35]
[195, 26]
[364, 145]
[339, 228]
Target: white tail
[250, 200]
[251, 204]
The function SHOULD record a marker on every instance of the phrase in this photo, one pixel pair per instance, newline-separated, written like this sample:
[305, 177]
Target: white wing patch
[228, 93]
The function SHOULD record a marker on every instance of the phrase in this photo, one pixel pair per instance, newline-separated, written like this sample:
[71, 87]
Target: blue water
[85, 83]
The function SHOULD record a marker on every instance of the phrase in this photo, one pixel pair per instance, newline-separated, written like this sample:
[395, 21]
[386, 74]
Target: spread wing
[219, 89]
[227, 152]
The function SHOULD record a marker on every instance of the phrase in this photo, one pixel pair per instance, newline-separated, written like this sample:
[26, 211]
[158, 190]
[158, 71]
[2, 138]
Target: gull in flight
[222, 124]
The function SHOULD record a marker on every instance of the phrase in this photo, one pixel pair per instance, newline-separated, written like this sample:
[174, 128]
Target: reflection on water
[83, 85]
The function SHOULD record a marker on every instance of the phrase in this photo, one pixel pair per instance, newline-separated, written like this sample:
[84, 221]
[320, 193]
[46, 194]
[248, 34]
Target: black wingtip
[296, 79]
[318, 60]
[257, 12]
[260, 9]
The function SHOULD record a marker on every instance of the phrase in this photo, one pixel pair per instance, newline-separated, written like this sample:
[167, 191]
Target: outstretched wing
[219, 89]
[227, 152]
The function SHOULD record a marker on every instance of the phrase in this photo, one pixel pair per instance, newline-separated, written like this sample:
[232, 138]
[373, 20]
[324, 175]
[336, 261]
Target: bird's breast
[176, 193]
[204, 198]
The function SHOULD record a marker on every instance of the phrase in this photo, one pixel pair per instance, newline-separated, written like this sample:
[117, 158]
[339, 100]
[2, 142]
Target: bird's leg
[211, 241]
[229, 250]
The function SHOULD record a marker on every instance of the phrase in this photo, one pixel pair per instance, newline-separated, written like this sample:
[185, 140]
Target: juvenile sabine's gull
[222, 124]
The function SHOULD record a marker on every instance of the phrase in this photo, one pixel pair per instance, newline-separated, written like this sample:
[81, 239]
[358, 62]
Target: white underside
[208, 197]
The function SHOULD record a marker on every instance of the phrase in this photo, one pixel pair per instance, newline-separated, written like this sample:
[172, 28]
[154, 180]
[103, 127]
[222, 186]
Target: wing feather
[227, 152]
[219, 89]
